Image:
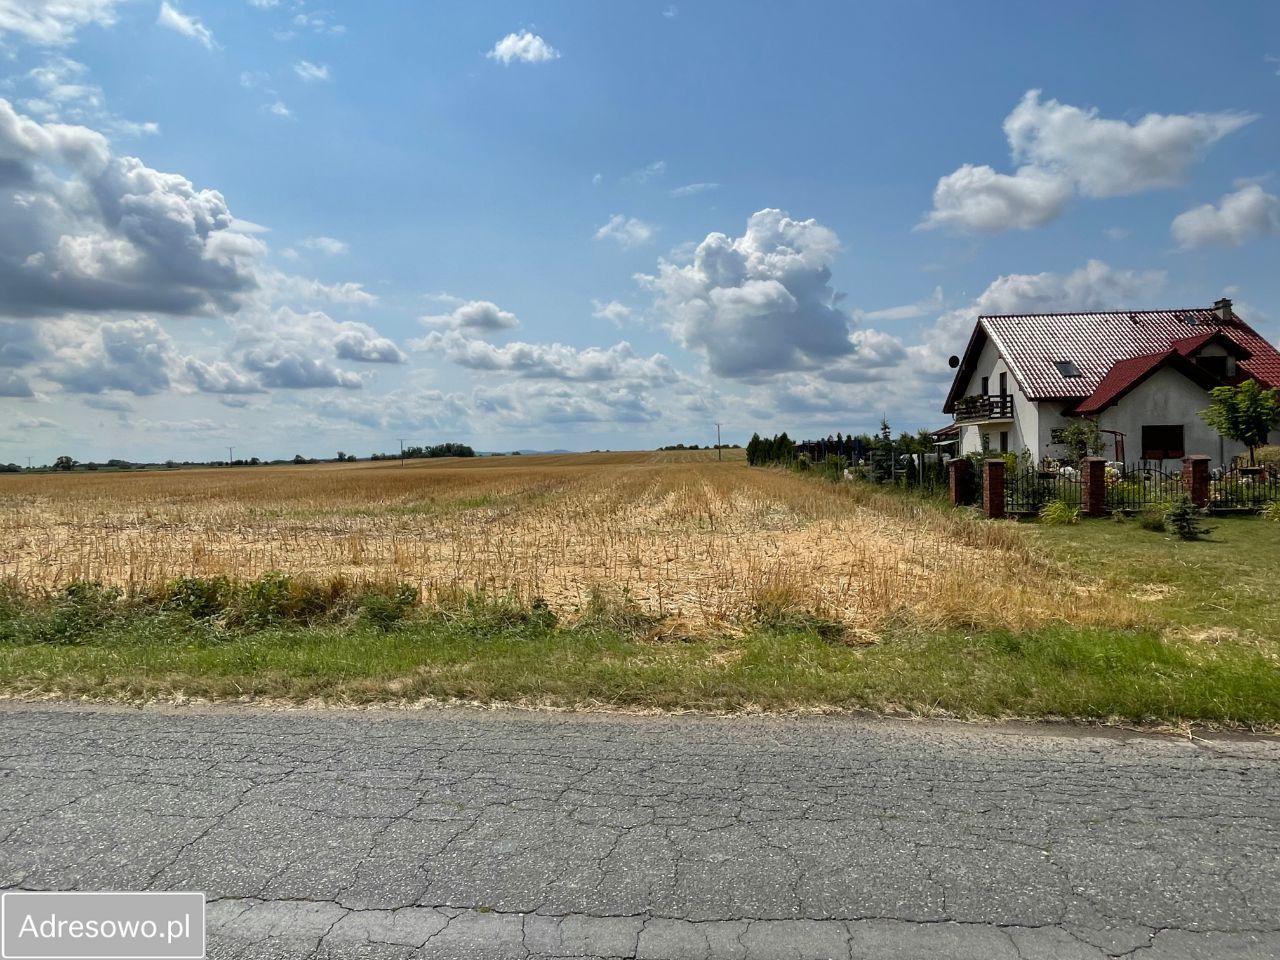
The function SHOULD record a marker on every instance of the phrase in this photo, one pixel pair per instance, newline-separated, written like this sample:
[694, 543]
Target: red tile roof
[1189, 345]
[1124, 375]
[1094, 342]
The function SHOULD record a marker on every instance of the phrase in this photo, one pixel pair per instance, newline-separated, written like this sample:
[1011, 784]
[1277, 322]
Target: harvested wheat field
[698, 544]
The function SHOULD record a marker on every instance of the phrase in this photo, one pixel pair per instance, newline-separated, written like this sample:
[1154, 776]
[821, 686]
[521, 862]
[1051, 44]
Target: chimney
[1223, 309]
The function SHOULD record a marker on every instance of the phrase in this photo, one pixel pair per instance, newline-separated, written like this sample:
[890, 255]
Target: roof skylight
[1067, 368]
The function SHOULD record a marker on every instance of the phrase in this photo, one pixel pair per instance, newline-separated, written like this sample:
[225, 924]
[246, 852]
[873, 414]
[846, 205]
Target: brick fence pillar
[961, 482]
[1094, 496]
[993, 489]
[1195, 477]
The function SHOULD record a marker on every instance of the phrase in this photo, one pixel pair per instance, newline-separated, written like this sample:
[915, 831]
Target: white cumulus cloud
[54, 22]
[613, 311]
[547, 361]
[1248, 212]
[1061, 150]
[757, 304]
[473, 315]
[980, 198]
[524, 47]
[1108, 158]
[86, 230]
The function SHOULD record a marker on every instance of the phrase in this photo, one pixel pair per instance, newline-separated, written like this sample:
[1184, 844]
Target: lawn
[1227, 583]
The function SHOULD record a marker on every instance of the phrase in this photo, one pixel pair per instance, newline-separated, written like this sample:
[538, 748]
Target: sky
[288, 226]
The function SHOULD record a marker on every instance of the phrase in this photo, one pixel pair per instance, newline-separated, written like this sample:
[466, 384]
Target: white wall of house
[1051, 419]
[1167, 397]
[1023, 429]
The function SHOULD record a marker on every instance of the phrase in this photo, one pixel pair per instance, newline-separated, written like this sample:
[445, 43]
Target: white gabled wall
[1168, 397]
[1024, 429]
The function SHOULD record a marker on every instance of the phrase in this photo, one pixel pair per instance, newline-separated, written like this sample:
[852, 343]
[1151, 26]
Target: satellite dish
[953, 361]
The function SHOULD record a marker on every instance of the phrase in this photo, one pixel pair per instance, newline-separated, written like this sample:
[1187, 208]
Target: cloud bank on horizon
[141, 317]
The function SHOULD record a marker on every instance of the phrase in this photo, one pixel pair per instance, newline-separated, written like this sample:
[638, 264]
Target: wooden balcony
[984, 408]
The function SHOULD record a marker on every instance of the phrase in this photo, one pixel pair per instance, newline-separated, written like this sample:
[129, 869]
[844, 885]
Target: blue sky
[301, 227]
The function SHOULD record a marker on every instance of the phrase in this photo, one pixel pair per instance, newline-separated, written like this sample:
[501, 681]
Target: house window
[1162, 442]
[1215, 366]
[986, 386]
[1004, 384]
[1067, 368]
[1004, 439]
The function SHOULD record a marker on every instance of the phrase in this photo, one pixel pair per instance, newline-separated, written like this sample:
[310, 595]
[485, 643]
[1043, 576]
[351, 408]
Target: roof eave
[968, 363]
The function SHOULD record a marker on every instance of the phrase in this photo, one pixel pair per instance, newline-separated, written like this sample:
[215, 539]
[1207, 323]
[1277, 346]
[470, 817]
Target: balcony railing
[983, 407]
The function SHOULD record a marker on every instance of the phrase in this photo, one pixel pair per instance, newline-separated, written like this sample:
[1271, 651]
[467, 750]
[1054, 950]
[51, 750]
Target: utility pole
[401, 439]
[28, 463]
[231, 456]
[719, 452]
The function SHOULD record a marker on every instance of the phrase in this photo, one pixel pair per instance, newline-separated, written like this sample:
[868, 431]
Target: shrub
[1269, 457]
[1272, 511]
[1152, 518]
[276, 598]
[833, 467]
[203, 598]
[384, 609]
[1185, 519]
[1058, 512]
[262, 602]
[83, 608]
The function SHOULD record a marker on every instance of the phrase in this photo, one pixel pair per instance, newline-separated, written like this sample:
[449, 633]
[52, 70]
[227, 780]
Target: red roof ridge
[1110, 313]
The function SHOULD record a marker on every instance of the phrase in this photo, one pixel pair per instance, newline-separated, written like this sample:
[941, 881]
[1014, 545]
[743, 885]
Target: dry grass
[694, 543]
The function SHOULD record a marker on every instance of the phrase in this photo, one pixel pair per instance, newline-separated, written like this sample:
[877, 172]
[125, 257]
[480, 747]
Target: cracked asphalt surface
[490, 834]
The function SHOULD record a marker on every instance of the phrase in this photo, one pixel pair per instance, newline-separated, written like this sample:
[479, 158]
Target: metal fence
[1130, 489]
[1135, 488]
[1028, 489]
[1243, 490]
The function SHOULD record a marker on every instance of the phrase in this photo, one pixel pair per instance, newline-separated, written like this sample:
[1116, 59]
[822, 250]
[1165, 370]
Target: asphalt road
[473, 834]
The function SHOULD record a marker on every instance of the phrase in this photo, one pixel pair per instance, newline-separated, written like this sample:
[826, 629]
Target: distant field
[696, 542]
[659, 581]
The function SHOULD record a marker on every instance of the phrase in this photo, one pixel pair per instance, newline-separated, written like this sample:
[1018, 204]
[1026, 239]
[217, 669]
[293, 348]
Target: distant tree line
[419, 453]
[777, 449]
[709, 446]
[879, 453]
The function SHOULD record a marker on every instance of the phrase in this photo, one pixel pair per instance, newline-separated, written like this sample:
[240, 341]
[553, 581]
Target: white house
[1142, 375]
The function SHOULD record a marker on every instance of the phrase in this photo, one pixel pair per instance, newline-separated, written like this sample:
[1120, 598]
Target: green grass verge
[1063, 672]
